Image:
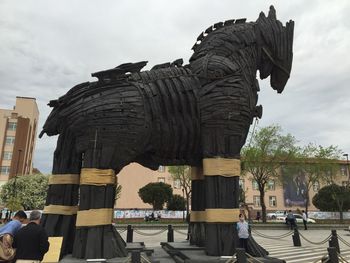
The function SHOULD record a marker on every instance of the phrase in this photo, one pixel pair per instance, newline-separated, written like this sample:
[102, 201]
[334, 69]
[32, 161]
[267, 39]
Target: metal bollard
[333, 242]
[129, 234]
[296, 238]
[241, 257]
[170, 233]
[332, 255]
[136, 256]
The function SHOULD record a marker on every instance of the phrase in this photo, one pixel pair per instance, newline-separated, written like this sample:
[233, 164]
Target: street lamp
[347, 166]
[183, 211]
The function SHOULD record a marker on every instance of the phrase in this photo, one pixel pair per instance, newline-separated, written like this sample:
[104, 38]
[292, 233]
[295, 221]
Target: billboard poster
[294, 188]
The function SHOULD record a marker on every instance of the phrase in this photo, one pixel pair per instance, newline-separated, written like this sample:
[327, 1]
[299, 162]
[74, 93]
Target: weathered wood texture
[197, 229]
[98, 241]
[174, 115]
[66, 160]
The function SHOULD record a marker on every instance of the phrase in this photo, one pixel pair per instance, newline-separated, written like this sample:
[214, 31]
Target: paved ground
[271, 240]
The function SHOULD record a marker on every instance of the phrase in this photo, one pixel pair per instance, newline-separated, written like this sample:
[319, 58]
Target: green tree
[263, 156]
[176, 203]
[316, 164]
[156, 194]
[27, 190]
[333, 198]
[14, 204]
[183, 175]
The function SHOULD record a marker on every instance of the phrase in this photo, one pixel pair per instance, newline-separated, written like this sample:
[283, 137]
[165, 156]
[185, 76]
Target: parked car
[298, 217]
[274, 215]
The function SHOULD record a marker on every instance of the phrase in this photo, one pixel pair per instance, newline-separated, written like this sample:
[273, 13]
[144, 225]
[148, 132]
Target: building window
[10, 140]
[161, 169]
[255, 185]
[343, 170]
[177, 184]
[5, 170]
[12, 126]
[7, 155]
[271, 185]
[316, 186]
[241, 183]
[256, 200]
[161, 179]
[272, 201]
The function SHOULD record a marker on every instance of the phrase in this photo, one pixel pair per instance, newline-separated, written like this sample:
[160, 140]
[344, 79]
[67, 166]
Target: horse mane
[215, 27]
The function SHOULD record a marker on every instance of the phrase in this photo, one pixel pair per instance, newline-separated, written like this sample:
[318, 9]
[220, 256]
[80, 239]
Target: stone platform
[183, 252]
[130, 247]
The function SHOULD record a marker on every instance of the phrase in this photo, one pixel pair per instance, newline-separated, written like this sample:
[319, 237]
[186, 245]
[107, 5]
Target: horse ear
[262, 15]
[272, 13]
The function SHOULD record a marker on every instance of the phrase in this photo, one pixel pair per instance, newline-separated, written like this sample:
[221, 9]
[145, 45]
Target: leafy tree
[263, 156]
[156, 194]
[333, 198]
[14, 204]
[183, 174]
[315, 164]
[26, 191]
[176, 203]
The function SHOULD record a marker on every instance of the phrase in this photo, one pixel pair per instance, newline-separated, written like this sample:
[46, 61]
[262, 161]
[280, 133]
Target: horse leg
[225, 116]
[197, 219]
[95, 235]
[62, 197]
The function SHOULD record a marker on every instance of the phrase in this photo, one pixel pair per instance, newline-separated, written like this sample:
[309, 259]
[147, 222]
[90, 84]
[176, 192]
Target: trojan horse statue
[198, 114]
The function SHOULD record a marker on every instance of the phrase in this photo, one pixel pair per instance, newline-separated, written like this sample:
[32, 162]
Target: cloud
[48, 47]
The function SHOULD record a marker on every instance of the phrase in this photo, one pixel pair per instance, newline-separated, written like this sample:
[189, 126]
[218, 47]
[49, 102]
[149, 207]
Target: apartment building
[18, 128]
[288, 193]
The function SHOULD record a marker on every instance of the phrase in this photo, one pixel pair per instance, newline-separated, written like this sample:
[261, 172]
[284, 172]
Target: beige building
[277, 195]
[287, 195]
[18, 129]
[133, 177]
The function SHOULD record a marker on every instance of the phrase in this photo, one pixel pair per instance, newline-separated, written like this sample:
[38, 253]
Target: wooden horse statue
[198, 114]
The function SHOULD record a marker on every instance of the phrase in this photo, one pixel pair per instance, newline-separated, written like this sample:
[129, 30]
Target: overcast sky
[47, 47]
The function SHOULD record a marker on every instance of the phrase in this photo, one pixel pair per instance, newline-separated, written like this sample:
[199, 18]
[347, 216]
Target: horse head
[51, 124]
[276, 48]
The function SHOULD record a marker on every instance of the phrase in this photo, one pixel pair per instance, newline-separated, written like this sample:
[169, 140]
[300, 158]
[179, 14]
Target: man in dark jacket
[31, 241]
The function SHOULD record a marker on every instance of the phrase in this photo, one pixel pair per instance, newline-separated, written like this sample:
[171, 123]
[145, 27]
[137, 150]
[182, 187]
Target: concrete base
[130, 247]
[183, 252]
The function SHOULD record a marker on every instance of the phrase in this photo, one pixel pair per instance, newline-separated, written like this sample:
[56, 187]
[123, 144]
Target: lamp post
[347, 166]
[183, 211]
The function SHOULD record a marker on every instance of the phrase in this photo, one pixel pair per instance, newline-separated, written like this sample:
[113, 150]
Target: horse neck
[236, 42]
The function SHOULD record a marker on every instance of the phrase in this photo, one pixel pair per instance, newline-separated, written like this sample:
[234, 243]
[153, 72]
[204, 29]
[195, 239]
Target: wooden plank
[53, 255]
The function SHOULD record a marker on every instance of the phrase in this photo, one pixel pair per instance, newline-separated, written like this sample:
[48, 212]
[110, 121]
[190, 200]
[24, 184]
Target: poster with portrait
[294, 188]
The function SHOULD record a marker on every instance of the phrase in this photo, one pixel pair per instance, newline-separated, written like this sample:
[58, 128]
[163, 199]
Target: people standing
[291, 220]
[7, 233]
[304, 219]
[243, 232]
[31, 241]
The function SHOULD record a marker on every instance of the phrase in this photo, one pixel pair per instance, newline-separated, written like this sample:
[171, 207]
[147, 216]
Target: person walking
[304, 219]
[7, 232]
[31, 241]
[243, 232]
